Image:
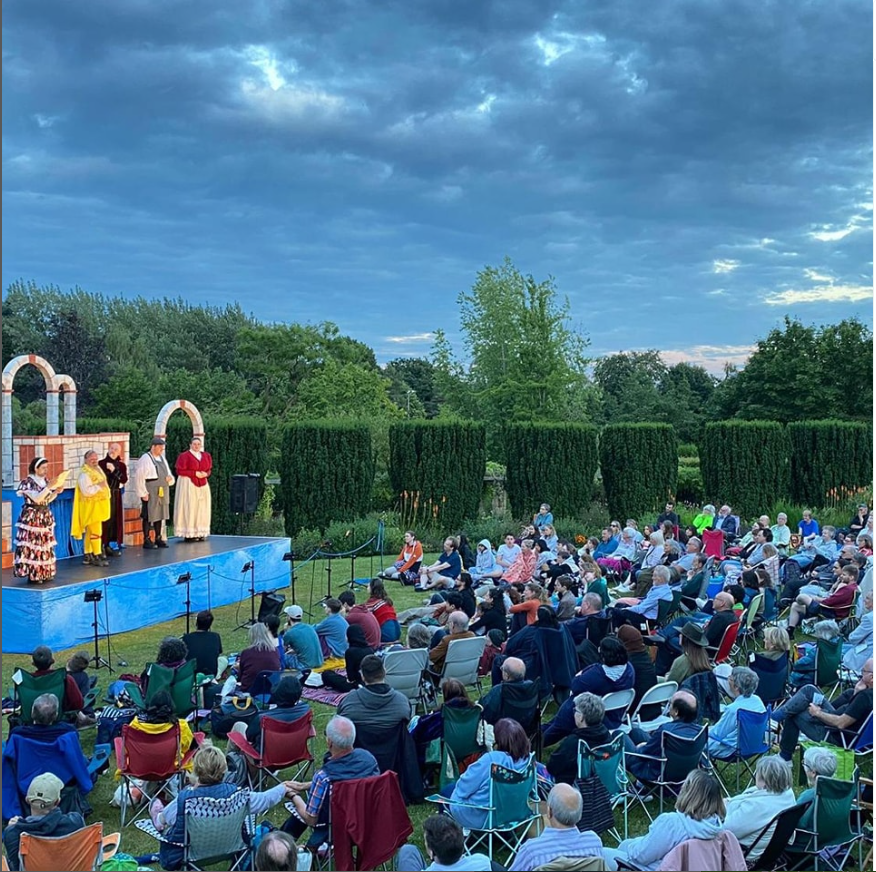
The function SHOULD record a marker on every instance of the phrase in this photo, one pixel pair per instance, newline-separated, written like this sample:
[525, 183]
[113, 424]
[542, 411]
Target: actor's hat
[157, 441]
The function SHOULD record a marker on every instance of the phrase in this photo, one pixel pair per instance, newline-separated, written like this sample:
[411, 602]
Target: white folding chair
[660, 694]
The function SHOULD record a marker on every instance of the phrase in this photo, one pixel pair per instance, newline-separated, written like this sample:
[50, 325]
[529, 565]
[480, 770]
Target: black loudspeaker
[244, 499]
[271, 604]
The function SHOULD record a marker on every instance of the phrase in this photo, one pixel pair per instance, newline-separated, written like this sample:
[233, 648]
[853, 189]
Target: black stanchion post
[328, 569]
[94, 597]
[250, 568]
[186, 579]
[289, 556]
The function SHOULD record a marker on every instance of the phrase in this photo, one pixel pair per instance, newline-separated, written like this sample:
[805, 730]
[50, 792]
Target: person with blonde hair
[260, 655]
[699, 814]
[534, 595]
[208, 780]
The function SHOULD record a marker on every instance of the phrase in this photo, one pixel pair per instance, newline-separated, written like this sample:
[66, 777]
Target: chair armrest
[110, 846]
[245, 747]
[197, 741]
[119, 746]
[443, 800]
[148, 827]
[136, 694]
[101, 755]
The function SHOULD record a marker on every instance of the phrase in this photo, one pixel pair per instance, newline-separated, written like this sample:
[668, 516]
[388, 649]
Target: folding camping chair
[773, 677]
[608, 763]
[782, 827]
[282, 745]
[460, 739]
[713, 543]
[82, 851]
[462, 660]
[28, 687]
[746, 637]
[752, 742]
[728, 640]
[404, 673]
[658, 694]
[179, 682]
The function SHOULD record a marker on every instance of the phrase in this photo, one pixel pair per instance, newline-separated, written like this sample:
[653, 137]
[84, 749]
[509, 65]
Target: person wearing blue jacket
[724, 735]
[699, 814]
[607, 546]
[485, 562]
[332, 630]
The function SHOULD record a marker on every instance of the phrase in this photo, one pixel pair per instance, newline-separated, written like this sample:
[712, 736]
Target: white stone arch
[54, 383]
[185, 406]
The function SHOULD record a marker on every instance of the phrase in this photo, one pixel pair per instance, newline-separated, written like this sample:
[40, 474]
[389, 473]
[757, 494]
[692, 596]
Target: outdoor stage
[139, 589]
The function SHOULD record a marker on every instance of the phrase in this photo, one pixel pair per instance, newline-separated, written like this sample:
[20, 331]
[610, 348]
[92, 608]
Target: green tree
[345, 390]
[629, 385]
[412, 383]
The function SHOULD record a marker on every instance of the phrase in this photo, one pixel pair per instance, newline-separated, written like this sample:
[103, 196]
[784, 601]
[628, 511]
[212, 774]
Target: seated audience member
[464, 600]
[589, 712]
[343, 762]
[817, 763]
[303, 648]
[613, 673]
[534, 595]
[749, 811]
[544, 557]
[694, 657]
[492, 614]
[284, 705]
[419, 636]
[443, 571]
[561, 836]
[591, 606]
[457, 628]
[621, 558]
[860, 642]
[277, 852]
[838, 603]
[506, 554]
[523, 567]
[860, 520]
[375, 705]
[358, 649]
[466, 555]
[45, 820]
[407, 566]
[769, 560]
[259, 656]
[705, 519]
[699, 814]
[159, 716]
[692, 581]
[606, 546]
[543, 517]
[803, 670]
[382, 607]
[648, 746]
[360, 615]
[210, 767]
[564, 564]
[45, 745]
[77, 667]
[43, 660]
[332, 630]
[510, 750]
[513, 694]
[724, 735]
[668, 514]
[272, 622]
[204, 645]
[431, 726]
[648, 608]
[725, 521]
[445, 847]
[781, 534]
[485, 563]
[821, 721]
[643, 666]
[494, 648]
[172, 654]
[808, 526]
[566, 599]
[692, 551]
[715, 623]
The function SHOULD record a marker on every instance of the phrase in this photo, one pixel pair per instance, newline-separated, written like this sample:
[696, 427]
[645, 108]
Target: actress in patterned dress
[35, 531]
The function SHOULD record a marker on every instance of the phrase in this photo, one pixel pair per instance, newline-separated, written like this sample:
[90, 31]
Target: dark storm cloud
[353, 162]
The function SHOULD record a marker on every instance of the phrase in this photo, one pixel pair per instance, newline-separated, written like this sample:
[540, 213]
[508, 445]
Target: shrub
[688, 449]
[553, 463]
[689, 488]
[639, 464]
[436, 469]
[745, 464]
[326, 473]
[830, 461]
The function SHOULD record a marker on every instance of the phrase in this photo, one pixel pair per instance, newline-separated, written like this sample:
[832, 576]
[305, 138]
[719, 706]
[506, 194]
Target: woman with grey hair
[589, 728]
[419, 636]
[749, 812]
[803, 671]
[724, 736]
[817, 763]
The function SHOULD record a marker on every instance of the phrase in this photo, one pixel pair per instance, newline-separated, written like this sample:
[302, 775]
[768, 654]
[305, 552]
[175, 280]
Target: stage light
[93, 596]
[184, 578]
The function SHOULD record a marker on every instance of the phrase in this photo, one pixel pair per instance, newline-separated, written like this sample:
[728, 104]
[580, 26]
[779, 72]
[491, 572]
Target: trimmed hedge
[237, 445]
[436, 469]
[553, 463]
[745, 464]
[639, 465]
[830, 461]
[326, 473]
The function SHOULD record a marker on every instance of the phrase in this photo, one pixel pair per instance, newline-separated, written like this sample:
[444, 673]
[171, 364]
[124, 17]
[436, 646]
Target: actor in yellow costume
[91, 507]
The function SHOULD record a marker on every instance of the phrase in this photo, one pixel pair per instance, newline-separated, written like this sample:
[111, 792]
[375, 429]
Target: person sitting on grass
[561, 837]
[332, 629]
[277, 852]
[76, 669]
[534, 595]
[523, 567]
[444, 571]
[382, 607]
[407, 566]
[46, 820]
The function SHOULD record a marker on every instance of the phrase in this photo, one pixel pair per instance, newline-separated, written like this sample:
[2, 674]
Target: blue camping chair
[752, 742]
[773, 677]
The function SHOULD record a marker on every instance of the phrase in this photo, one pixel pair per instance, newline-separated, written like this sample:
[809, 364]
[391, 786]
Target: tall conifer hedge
[552, 463]
[436, 469]
[326, 472]
[745, 464]
[639, 465]
[237, 446]
[830, 460]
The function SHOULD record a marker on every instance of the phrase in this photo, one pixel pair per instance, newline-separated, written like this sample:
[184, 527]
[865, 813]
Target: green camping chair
[667, 608]
[179, 682]
[828, 657]
[608, 763]
[28, 688]
[600, 586]
[832, 812]
[460, 739]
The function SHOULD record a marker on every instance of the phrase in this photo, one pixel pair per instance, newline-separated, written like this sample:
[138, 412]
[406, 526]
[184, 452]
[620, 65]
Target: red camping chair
[713, 544]
[728, 640]
[153, 758]
[282, 744]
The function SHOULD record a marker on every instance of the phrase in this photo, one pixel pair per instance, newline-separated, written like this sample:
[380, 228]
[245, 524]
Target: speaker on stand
[271, 604]
[244, 496]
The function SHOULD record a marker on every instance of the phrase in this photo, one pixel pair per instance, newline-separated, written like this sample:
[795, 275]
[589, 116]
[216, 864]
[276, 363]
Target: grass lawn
[139, 647]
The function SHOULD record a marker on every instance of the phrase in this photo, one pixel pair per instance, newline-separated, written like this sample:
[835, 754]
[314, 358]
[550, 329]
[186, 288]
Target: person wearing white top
[152, 481]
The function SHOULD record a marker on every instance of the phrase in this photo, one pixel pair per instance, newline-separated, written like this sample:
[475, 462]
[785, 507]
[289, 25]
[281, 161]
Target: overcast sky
[689, 172]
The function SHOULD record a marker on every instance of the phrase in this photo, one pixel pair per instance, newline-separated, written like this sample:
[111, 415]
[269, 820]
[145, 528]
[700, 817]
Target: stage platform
[139, 589]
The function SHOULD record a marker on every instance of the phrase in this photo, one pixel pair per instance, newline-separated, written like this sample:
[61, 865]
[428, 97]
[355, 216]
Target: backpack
[225, 715]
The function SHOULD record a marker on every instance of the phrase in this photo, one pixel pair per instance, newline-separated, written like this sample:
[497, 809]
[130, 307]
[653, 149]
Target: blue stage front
[139, 589]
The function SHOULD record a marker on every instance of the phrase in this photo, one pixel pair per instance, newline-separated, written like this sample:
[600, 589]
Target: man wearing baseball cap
[45, 818]
[303, 650]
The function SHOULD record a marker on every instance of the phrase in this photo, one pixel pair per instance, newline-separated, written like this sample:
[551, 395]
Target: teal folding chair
[608, 763]
[460, 739]
[180, 683]
[28, 687]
